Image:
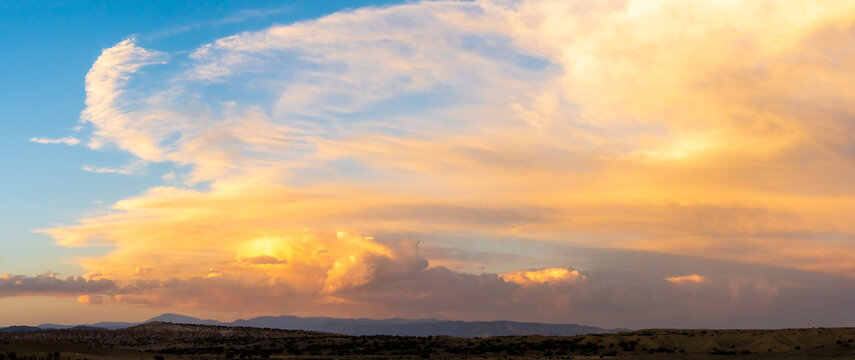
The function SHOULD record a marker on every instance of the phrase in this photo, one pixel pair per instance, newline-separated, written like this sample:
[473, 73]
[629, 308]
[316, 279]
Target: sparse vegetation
[162, 341]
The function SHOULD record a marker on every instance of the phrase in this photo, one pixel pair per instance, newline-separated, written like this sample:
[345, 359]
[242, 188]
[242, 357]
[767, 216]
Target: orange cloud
[90, 299]
[262, 260]
[526, 277]
[691, 278]
[674, 127]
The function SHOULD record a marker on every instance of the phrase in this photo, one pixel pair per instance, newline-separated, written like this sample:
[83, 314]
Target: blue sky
[48, 47]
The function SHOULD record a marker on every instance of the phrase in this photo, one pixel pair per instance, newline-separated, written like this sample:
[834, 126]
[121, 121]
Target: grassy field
[176, 341]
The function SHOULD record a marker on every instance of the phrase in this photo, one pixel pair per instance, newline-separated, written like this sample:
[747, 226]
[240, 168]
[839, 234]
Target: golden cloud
[90, 299]
[547, 275]
[701, 127]
[691, 278]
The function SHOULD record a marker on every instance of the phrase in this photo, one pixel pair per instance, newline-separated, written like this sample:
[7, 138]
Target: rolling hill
[399, 327]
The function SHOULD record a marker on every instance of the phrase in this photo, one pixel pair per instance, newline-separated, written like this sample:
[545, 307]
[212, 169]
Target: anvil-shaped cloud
[313, 159]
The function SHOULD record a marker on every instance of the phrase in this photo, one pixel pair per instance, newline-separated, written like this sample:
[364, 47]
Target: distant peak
[182, 319]
[169, 317]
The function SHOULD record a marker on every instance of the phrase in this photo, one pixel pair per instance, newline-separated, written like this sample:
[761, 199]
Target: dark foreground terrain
[180, 341]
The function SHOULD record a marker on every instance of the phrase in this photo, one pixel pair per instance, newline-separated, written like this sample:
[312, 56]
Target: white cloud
[135, 167]
[105, 87]
[68, 140]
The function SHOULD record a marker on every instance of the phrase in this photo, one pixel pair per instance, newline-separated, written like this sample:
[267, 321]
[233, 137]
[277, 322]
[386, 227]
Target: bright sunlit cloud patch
[685, 279]
[525, 277]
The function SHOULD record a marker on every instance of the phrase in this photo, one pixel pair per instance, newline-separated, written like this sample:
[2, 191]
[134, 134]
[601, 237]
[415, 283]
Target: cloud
[635, 295]
[49, 284]
[541, 276]
[691, 278]
[128, 169]
[318, 158]
[68, 140]
[90, 299]
[104, 92]
[241, 16]
[615, 297]
[262, 260]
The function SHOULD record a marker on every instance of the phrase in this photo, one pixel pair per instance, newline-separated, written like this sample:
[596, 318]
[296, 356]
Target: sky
[620, 163]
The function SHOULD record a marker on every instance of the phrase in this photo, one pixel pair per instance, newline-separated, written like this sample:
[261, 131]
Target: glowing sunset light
[541, 276]
[691, 278]
[537, 160]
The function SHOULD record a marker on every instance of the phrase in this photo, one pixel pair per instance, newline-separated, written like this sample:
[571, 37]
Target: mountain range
[395, 326]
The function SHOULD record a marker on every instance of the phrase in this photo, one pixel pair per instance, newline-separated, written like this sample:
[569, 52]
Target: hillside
[184, 341]
[399, 327]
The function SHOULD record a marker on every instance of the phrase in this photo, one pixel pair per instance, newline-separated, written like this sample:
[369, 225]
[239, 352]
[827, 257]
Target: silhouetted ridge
[19, 329]
[394, 326]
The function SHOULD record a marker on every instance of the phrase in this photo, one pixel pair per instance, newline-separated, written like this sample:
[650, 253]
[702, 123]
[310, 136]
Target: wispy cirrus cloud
[329, 149]
[68, 140]
[127, 169]
[239, 17]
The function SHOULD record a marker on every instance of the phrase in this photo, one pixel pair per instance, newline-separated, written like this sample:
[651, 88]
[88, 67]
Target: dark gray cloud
[49, 283]
[614, 288]
[624, 289]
